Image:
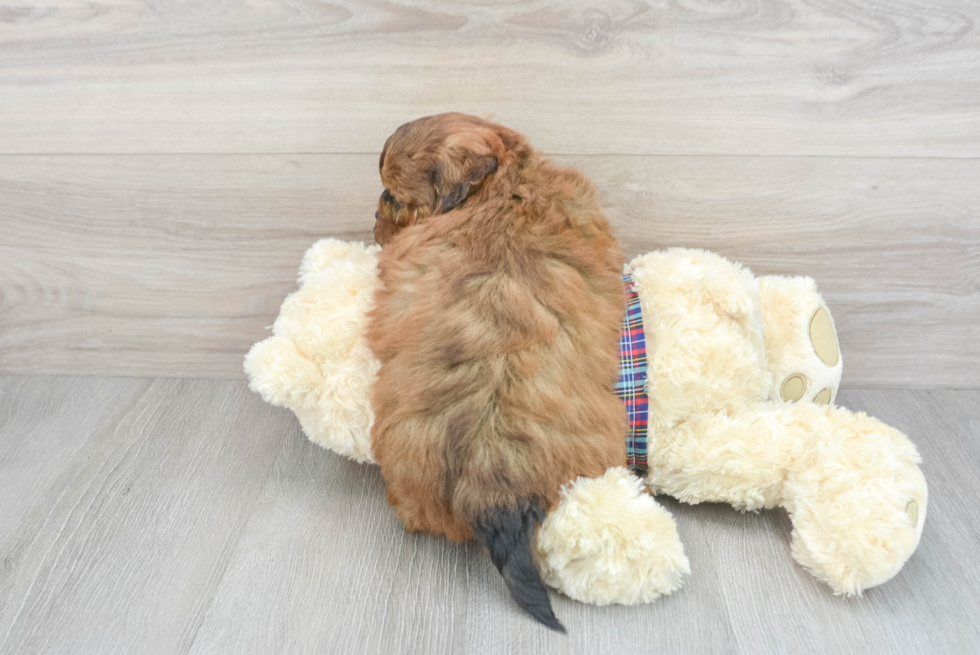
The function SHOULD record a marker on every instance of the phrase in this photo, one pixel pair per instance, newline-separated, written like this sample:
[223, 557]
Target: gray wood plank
[165, 266]
[174, 266]
[783, 77]
[124, 552]
[195, 518]
[44, 422]
[324, 567]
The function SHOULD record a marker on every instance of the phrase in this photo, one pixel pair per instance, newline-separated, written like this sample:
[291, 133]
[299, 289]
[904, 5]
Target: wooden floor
[175, 516]
[164, 164]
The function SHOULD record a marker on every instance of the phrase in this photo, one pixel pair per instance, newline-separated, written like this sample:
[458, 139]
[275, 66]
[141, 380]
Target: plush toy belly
[631, 387]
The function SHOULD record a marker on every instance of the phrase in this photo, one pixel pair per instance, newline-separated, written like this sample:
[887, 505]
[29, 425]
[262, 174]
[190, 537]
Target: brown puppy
[497, 328]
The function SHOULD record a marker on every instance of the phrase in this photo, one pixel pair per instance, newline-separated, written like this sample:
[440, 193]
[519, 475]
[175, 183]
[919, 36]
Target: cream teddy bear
[732, 355]
[723, 421]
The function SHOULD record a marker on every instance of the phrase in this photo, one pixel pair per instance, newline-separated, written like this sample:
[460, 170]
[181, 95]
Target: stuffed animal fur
[742, 376]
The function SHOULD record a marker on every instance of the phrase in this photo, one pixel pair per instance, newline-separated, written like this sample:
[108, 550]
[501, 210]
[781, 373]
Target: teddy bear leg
[857, 500]
[609, 542]
[801, 342]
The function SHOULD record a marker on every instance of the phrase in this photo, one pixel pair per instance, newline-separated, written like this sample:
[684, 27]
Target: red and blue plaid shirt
[631, 387]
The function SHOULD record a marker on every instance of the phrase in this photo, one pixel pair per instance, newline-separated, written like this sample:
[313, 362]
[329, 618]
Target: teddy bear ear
[455, 180]
[322, 254]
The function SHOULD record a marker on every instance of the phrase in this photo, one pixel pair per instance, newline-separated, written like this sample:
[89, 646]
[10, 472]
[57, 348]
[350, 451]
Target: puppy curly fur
[496, 325]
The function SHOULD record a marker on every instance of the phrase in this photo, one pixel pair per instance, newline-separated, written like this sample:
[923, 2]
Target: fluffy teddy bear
[741, 386]
[741, 377]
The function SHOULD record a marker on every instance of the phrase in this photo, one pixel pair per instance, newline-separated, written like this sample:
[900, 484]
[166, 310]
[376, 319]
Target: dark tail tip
[508, 535]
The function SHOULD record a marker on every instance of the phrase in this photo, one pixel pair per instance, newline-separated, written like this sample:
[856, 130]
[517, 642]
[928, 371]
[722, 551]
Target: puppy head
[435, 164]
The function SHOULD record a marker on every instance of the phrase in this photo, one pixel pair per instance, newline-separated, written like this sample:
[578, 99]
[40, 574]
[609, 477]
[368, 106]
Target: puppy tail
[508, 535]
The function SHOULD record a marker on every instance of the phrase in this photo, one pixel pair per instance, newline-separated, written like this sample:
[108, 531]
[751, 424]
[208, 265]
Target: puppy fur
[497, 327]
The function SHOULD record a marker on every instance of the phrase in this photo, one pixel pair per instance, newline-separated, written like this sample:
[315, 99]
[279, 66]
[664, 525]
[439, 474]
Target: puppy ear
[454, 182]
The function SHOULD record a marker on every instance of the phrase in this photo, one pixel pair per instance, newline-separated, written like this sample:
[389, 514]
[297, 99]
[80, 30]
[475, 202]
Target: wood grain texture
[43, 425]
[355, 582]
[747, 77]
[121, 546]
[186, 516]
[175, 265]
[398, 593]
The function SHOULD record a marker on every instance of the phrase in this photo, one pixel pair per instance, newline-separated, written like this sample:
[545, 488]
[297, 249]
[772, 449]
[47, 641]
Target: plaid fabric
[631, 386]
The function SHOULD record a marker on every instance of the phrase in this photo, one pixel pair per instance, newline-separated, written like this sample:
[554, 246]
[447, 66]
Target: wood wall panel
[175, 265]
[743, 77]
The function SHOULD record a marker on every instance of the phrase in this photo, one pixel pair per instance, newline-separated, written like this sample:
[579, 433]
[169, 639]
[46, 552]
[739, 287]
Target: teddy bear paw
[801, 343]
[609, 542]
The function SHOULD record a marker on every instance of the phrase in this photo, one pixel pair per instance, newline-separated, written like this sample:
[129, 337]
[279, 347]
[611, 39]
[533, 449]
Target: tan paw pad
[823, 337]
[912, 509]
[823, 398]
[793, 388]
